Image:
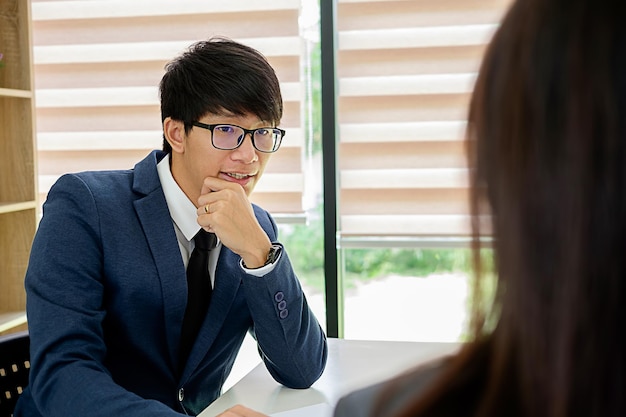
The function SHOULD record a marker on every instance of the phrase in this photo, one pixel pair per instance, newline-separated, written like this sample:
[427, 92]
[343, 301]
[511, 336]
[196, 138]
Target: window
[404, 72]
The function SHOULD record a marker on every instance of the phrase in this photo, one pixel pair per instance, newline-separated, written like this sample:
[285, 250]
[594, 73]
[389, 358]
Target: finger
[208, 199]
[212, 184]
[209, 205]
[204, 209]
[207, 186]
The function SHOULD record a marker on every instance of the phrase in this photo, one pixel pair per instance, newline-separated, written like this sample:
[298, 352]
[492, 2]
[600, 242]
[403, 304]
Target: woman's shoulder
[393, 393]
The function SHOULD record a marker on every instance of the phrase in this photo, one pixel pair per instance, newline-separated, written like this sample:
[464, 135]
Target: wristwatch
[272, 256]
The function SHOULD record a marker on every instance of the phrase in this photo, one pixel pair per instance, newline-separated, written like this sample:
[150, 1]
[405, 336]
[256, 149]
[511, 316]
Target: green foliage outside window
[305, 245]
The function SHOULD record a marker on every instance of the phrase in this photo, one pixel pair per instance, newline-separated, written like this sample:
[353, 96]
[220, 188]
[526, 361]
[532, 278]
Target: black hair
[219, 75]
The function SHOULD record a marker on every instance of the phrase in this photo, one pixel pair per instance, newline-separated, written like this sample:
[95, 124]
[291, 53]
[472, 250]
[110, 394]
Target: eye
[225, 128]
[262, 132]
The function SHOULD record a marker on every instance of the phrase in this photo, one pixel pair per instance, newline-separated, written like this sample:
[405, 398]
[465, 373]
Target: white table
[352, 364]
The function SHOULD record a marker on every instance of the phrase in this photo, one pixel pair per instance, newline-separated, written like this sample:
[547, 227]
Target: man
[107, 291]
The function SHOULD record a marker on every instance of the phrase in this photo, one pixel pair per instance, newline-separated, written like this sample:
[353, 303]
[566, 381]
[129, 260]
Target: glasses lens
[267, 140]
[227, 136]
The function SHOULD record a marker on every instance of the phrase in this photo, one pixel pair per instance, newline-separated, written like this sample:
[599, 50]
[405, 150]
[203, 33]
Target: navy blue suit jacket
[106, 295]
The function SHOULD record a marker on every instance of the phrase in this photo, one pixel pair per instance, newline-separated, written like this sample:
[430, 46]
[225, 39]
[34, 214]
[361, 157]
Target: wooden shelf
[13, 207]
[11, 92]
[18, 188]
[11, 320]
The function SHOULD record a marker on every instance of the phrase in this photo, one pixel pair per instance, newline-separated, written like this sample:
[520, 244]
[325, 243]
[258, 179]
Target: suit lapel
[156, 222]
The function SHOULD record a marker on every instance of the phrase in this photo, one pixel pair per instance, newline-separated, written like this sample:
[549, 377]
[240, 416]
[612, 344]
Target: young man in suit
[106, 286]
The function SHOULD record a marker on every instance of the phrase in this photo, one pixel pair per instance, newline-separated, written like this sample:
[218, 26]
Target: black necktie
[198, 291]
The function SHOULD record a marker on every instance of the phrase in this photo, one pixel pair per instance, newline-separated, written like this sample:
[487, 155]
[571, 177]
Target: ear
[174, 132]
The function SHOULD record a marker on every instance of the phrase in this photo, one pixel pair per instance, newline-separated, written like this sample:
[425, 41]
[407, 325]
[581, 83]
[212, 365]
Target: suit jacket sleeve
[290, 340]
[65, 313]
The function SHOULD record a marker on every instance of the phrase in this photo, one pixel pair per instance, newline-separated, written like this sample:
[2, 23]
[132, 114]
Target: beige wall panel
[115, 74]
[388, 154]
[409, 61]
[157, 28]
[413, 13]
[441, 225]
[404, 201]
[56, 163]
[94, 118]
[402, 108]
[278, 202]
[406, 73]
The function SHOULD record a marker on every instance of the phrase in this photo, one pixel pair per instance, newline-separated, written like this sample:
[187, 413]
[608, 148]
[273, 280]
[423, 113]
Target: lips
[245, 180]
[238, 176]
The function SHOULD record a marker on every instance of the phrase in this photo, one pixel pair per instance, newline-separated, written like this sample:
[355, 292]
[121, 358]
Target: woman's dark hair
[217, 75]
[547, 153]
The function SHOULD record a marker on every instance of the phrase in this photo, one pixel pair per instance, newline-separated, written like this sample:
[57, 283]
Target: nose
[246, 152]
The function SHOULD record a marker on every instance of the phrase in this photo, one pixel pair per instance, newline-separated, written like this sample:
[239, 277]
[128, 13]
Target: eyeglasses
[228, 137]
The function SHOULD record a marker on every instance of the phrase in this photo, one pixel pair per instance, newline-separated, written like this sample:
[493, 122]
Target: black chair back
[14, 369]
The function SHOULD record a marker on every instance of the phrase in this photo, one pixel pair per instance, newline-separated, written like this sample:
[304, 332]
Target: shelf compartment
[17, 145]
[18, 229]
[15, 45]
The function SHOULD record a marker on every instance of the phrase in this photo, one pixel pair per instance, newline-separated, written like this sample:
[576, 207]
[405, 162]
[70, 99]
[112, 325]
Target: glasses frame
[251, 132]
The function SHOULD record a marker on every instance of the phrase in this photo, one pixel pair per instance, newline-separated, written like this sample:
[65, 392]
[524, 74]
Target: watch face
[273, 254]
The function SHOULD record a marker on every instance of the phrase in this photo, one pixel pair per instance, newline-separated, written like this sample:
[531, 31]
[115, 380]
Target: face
[194, 157]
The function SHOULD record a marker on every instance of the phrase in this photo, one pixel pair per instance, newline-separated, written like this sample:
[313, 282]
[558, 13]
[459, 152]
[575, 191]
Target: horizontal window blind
[405, 73]
[97, 69]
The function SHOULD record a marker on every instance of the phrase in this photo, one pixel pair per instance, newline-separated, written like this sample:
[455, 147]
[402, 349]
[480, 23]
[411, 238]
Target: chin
[248, 190]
